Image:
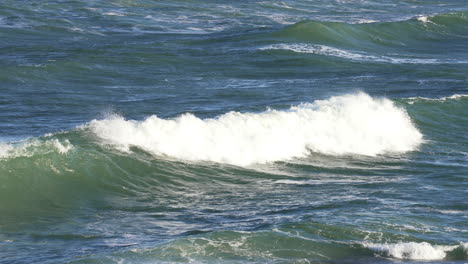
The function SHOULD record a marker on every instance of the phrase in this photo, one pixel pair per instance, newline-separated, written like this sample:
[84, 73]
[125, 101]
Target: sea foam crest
[31, 147]
[5, 149]
[441, 99]
[413, 250]
[348, 124]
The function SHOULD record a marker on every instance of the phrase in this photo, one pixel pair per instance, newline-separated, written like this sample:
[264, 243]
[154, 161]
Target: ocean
[190, 131]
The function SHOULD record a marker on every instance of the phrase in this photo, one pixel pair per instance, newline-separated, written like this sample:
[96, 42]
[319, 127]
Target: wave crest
[413, 250]
[349, 124]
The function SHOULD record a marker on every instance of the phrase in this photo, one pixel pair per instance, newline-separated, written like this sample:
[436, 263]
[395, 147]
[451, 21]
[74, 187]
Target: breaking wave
[348, 124]
[415, 251]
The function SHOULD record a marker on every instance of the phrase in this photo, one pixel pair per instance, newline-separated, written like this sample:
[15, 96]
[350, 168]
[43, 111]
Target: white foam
[357, 56]
[355, 180]
[441, 99]
[348, 124]
[464, 245]
[5, 149]
[317, 182]
[451, 229]
[31, 147]
[298, 182]
[423, 19]
[365, 21]
[76, 29]
[113, 14]
[412, 250]
[62, 148]
[319, 49]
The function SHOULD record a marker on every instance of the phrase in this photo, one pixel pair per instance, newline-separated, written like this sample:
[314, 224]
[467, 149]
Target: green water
[218, 132]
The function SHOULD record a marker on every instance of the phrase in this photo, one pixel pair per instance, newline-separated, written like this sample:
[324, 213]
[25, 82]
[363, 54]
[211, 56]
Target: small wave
[348, 124]
[366, 21]
[113, 14]
[424, 19]
[413, 250]
[441, 99]
[368, 40]
[356, 56]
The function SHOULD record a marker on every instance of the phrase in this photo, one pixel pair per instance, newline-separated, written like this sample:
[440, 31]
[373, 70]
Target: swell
[419, 40]
[67, 171]
[380, 33]
[56, 175]
[443, 118]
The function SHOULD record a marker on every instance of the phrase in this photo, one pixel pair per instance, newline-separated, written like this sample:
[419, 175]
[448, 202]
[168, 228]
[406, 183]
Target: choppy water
[233, 132]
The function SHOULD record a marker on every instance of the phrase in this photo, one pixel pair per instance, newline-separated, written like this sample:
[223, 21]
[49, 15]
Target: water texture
[233, 132]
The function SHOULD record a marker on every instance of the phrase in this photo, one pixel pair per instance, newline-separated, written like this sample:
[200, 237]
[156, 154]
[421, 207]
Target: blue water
[251, 131]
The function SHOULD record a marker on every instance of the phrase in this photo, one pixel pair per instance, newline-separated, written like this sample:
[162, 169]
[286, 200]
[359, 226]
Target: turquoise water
[233, 132]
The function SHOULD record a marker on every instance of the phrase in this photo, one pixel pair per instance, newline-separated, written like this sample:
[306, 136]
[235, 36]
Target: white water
[441, 99]
[353, 55]
[349, 124]
[31, 147]
[5, 150]
[319, 49]
[413, 250]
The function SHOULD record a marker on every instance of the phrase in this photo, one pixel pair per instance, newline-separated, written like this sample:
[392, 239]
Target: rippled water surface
[233, 132]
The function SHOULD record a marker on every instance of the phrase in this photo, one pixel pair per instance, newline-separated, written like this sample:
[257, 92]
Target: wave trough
[348, 124]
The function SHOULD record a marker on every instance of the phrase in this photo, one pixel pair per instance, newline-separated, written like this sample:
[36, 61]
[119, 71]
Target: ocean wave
[441, 99]
[424, 19]
[353, 55]
[348, 124]
[377, 41]
[414, 250]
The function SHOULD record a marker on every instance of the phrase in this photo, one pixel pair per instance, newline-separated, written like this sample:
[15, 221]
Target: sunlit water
[233, 132]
